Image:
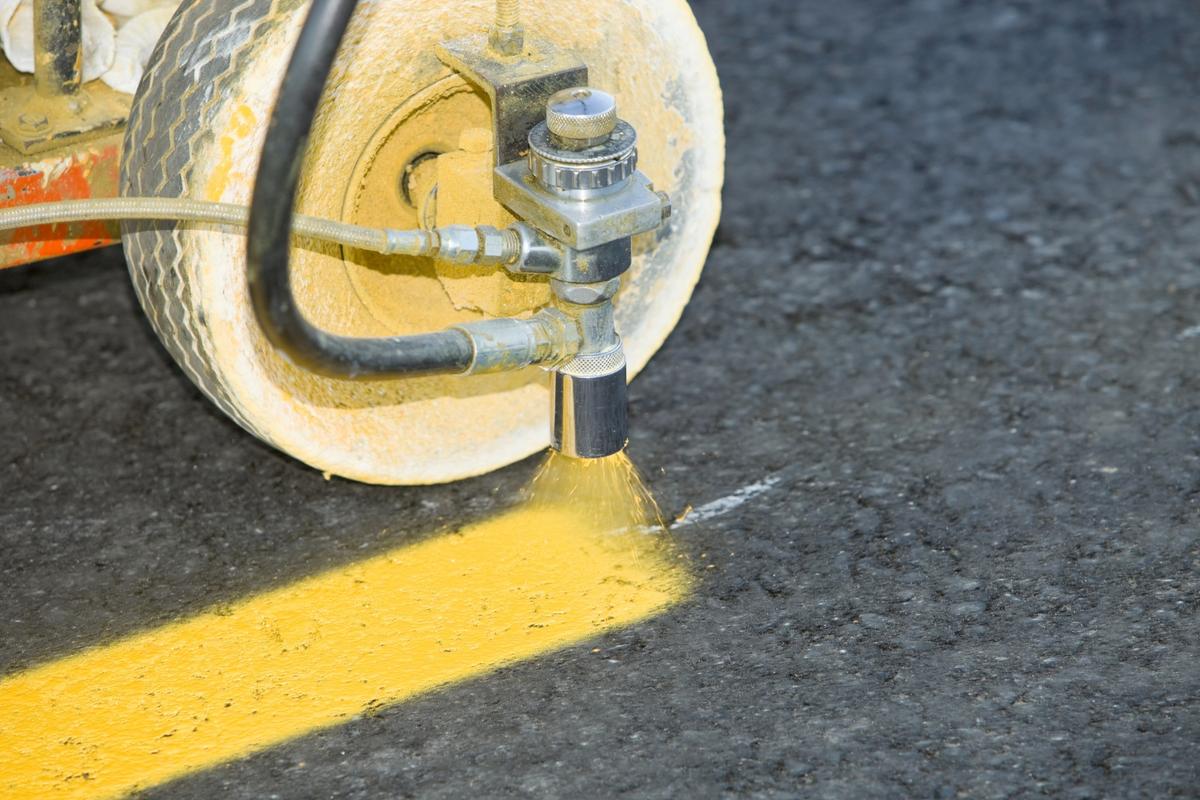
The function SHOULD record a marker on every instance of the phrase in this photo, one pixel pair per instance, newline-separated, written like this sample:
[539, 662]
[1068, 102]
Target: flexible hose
[270, 224]
[377, 240]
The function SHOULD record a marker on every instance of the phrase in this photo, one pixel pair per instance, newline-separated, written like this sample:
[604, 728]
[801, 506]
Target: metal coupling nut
[585, 294]
[464, 244]
[612, 162]
[591, 365]
[458, 244]
[498, 246]
[589, 411]
[561, 334]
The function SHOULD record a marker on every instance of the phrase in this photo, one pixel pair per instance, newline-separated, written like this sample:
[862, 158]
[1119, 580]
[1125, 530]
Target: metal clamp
[518, 90]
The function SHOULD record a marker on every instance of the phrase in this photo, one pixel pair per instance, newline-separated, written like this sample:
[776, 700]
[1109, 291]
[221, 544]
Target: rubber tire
[199, 49]
[218, 54]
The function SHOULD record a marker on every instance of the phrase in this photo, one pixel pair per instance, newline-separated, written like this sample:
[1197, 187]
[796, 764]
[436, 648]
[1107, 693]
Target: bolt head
[33, 121]
[581, 116]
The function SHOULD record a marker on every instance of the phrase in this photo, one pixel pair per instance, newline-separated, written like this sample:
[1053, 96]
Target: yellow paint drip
[241, 126]
[232, 681]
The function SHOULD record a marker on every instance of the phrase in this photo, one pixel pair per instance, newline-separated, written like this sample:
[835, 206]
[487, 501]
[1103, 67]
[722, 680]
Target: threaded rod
[508, 35]
[508, 13]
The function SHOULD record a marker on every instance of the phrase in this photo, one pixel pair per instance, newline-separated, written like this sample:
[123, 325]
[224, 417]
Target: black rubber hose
[269, 231]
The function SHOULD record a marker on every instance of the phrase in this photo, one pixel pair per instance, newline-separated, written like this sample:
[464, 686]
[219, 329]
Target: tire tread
[195, 69]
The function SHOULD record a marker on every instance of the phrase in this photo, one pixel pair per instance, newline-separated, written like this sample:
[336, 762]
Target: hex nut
[508, 41]
[496, 245]
[586, 294]
[561, 333]
[458, 244]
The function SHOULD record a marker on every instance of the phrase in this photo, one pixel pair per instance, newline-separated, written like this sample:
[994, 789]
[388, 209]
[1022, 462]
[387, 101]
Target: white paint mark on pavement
[730, 502]
[1190, 333]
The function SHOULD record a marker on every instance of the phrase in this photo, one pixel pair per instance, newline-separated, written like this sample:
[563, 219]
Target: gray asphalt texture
[952, 308]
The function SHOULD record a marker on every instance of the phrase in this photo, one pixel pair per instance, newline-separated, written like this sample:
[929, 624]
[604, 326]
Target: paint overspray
[609, 500]
[576, 559]
[609, 493]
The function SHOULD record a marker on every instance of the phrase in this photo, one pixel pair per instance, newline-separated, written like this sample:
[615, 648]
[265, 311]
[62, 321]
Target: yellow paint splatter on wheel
[226, 683]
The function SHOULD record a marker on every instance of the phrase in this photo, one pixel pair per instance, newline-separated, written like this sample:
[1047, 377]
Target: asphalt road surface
[949, 327]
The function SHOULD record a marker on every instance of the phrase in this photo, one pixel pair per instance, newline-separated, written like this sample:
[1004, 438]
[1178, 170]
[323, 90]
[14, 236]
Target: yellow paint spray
[569, 564]
[609, 493]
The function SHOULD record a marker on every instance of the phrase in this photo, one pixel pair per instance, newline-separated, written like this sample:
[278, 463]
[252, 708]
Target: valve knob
[582, 147]
[581, 117]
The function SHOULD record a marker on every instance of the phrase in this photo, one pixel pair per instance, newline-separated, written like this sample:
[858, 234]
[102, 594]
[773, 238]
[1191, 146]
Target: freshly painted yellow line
[237, 679]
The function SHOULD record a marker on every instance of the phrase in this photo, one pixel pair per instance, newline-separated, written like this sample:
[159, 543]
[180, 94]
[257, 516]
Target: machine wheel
[396, 122]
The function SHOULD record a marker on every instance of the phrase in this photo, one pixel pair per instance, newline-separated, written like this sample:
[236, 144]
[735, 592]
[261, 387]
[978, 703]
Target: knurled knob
[581, 116]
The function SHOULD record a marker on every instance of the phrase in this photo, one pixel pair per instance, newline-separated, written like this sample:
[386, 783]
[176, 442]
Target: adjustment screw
[581, 117]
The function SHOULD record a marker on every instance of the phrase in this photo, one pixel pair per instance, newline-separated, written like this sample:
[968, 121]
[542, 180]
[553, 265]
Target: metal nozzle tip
[590, 410]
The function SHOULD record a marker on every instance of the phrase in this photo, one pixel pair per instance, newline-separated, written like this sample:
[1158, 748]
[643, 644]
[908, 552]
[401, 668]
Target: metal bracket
[518, 86]
[55, 110]
[580, 224]
[32, 123]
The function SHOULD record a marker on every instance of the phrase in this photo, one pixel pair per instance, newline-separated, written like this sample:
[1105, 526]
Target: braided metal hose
[462, 244]
[379, 240]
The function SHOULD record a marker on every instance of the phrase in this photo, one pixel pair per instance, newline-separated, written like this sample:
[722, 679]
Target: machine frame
[60, 139]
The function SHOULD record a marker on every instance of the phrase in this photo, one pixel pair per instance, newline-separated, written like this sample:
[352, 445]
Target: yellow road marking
[234, 680]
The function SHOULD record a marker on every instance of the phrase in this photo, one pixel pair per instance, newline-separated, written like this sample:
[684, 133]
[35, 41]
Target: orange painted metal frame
[90, 169]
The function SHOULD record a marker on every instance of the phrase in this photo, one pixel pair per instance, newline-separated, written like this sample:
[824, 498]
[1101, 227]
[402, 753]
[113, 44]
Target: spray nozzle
[589, 413]
[567, 168]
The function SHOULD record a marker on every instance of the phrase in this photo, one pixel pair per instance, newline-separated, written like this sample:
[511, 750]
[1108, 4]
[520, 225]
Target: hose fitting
[499, 345]
[483, 244]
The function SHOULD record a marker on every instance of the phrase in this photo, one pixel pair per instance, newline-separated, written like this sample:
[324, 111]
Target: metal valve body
[576, 188]
[583, 150]
[566, 165]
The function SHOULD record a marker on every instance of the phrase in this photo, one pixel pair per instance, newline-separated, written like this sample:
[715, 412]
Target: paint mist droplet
[607, 494]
